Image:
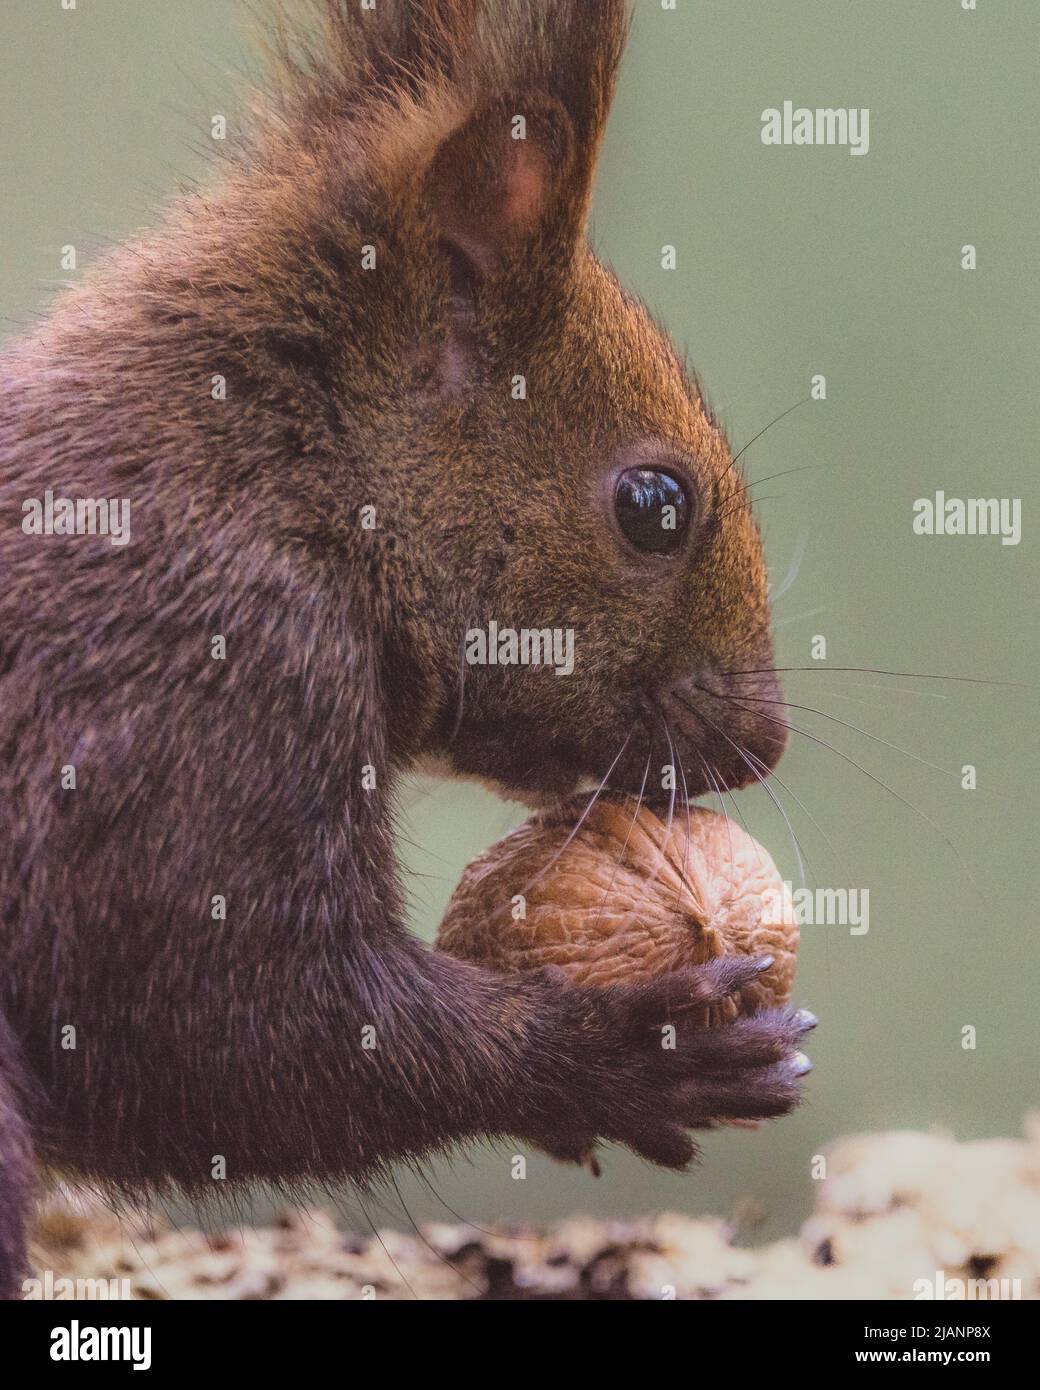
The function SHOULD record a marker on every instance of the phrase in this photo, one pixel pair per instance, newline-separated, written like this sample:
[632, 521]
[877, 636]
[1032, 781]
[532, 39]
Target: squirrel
[203, 950]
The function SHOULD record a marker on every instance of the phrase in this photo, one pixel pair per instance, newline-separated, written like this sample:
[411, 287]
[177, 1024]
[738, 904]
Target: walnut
[626, 896]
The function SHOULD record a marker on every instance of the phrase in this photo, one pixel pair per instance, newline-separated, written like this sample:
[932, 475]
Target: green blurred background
[790, 262]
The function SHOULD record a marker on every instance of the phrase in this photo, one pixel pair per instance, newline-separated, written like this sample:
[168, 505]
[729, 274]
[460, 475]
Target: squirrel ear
[500, 178]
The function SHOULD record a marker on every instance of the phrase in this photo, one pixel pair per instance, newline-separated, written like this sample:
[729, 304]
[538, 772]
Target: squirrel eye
[652, 510]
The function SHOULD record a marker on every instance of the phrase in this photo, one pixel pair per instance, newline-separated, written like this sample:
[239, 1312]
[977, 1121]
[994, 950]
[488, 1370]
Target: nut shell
[624, 897]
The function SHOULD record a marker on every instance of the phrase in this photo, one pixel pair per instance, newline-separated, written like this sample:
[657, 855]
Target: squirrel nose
[767, 737]
[762, 698]
[734, 722]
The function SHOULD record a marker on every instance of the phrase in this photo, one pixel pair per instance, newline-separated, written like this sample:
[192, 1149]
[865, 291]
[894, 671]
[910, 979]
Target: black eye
[652, 510]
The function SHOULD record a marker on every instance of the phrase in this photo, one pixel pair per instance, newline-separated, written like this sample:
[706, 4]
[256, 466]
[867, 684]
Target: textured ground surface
[894, 1209]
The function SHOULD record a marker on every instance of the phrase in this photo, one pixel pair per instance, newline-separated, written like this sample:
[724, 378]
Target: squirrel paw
[650, 1072]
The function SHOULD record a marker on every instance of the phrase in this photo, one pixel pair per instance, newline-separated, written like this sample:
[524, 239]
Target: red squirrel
[369, 391]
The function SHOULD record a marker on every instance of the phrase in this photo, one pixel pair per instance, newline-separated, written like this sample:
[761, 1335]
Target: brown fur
[195, 777]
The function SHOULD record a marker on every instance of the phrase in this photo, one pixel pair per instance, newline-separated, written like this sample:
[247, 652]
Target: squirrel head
[540, 467]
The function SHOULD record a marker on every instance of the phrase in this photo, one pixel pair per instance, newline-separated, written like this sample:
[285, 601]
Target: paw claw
[632, 1090]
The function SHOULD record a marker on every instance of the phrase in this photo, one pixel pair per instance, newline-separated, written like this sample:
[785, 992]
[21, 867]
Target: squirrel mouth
[661, 803]
[651, 797]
